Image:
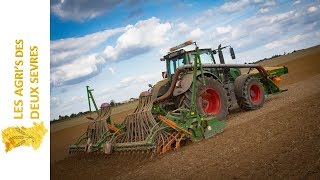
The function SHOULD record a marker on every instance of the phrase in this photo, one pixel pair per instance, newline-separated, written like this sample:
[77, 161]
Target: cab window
[175, 63]
[204, 55]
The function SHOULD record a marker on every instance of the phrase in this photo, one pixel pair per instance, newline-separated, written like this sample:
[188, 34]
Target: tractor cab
[182, 57]
[178, 57]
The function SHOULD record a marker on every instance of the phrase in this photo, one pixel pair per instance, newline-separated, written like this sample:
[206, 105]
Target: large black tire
[249, 92]
[212, 103]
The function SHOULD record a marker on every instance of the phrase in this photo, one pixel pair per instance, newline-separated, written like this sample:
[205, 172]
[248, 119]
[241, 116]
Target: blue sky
[115, 46]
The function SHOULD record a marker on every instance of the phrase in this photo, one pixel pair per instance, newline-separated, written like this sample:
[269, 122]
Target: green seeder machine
[190, 103]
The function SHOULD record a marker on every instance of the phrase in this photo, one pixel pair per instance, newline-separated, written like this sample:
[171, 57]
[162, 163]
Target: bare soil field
[279, 141]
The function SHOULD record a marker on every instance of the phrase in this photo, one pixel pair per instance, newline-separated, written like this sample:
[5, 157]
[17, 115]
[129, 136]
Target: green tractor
[190, 103]
[212, 89]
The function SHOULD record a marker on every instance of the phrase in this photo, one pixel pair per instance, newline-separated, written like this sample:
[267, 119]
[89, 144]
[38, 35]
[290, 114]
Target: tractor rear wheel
[249, 92]
[210, 100]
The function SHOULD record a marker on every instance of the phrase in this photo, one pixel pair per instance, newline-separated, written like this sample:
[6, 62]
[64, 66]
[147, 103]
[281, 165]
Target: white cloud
[182, 27]
[65, 50]
[223, 30]
[73, 100]
[234, 5]
[264, 10]
[282, 17]
[162, 52]
[111, 70]
[260, 29]
[297, 2]
[238, 5]
[66, 104]
[270, 3]
[75, 14]
[54, 101]
[312, 9]
[82, 67]
[73, 61]
[131, 81]
[195, 34]
[76, 10]
[138, 39]
[147, 33]
[136, 79]
[77, 98]
[204, 17]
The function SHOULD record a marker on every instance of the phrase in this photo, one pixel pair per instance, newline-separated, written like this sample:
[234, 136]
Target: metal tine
[136, 132]
[147, 154]
[143, 153]
[132, 130]
[138, 155]
[140, 129]
[132, 154]
[152, 154]
[123, 153]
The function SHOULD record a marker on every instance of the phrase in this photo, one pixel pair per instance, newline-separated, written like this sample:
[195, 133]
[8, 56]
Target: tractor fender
[186, 82]
[160, 88]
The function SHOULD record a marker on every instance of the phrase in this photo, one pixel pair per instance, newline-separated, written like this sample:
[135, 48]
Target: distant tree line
[71, 116]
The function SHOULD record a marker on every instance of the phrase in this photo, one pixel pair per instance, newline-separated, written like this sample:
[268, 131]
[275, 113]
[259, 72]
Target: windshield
[205, 57]
[180, 60]
[175, 63]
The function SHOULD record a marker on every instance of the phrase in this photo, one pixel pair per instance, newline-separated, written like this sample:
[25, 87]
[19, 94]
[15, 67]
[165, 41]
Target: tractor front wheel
[210, 100]
[249, 92]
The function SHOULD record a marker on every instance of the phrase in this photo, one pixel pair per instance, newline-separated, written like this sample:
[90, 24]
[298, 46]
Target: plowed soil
[280, 140]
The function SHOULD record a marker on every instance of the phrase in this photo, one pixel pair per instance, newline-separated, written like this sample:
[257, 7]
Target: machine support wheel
[249, 92]
[210, 99]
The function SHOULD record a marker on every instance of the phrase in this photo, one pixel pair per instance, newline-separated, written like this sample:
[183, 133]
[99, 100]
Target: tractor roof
[179, 52]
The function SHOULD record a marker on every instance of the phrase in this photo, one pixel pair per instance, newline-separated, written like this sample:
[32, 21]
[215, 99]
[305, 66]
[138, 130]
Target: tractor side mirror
[214, 52]
[233, 56]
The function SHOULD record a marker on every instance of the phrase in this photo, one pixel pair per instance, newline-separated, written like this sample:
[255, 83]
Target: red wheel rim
[255, 93]
[211, 102]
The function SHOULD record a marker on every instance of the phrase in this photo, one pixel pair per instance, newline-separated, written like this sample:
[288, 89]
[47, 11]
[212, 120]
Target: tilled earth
[280, 140]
